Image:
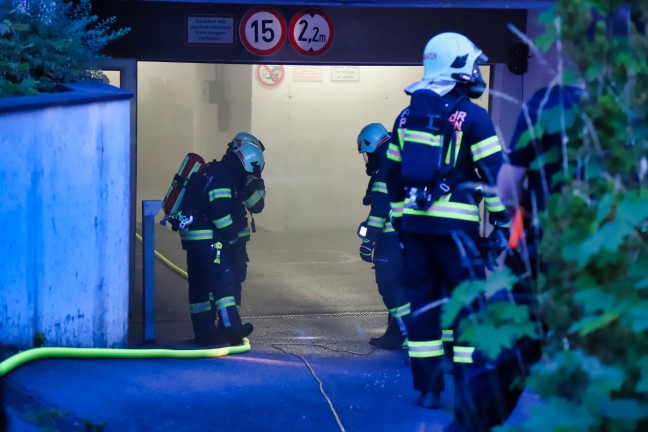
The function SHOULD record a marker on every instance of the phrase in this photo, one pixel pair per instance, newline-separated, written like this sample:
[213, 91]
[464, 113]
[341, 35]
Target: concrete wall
[64, 209]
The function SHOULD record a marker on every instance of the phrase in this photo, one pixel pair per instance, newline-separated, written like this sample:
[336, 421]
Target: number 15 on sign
[311, 32]
[263, 31]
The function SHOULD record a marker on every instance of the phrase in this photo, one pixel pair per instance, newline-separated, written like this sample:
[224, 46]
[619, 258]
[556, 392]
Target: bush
[43, 44]
[594, 294]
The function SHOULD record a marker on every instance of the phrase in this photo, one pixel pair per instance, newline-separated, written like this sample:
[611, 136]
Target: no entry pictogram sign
[270, 76]
[311, 32]
[263, 31]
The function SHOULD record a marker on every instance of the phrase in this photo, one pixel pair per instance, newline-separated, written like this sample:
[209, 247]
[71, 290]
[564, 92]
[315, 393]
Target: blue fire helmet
[245, 137]
[251, 156]
[371, 137]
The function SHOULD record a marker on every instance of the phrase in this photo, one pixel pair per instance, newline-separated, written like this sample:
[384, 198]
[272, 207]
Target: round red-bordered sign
[263, 31]
[270, 75]
[311, 32]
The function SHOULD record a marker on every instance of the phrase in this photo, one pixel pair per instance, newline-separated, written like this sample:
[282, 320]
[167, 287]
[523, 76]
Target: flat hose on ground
[117, 353]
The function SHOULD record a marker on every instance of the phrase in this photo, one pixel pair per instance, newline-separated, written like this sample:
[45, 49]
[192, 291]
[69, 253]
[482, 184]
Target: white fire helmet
[249, 150]
[245, 137]
[450, 58]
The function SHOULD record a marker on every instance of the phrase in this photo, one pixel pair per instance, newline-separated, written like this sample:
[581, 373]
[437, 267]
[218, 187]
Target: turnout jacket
[378, 220]
[252, 199]
[478, 159]
[213, 195]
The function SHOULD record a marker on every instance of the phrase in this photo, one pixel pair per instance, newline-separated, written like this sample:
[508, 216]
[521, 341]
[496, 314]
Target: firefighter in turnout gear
[251, 198]
[212, 196]
[443, 160]
[380, 244]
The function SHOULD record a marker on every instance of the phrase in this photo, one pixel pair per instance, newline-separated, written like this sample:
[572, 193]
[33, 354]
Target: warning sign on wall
[270, 75]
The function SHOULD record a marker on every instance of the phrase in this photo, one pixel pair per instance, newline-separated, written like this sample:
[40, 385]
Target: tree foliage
[593, 296]
[45, 43]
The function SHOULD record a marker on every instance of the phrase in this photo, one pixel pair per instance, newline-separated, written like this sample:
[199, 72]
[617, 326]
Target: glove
[366, 250]
[498, 239]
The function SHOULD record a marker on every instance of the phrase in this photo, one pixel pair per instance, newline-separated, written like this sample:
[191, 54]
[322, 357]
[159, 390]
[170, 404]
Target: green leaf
[590, 324]
[642, 284]
[604, 207]
[624, 409]
[594, 299]
[642, 385]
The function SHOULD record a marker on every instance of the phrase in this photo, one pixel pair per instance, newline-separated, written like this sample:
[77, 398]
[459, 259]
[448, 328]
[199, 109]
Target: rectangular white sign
[307, 74]
[216, 30]
[345, 73]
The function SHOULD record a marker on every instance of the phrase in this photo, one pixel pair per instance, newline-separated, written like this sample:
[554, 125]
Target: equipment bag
[426, 137]
[174, 202]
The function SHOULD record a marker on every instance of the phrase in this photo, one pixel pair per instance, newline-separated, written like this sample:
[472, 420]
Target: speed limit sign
[263, 31]
[311, 32]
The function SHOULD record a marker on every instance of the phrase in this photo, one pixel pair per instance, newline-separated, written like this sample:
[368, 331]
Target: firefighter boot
[230, 320]
[431, 400]
[392, 339]
[205, 331]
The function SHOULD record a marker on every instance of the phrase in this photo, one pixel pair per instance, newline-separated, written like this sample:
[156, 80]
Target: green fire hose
[117, 353]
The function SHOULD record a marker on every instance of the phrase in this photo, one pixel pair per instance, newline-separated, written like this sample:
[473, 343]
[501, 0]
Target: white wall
[315, 178]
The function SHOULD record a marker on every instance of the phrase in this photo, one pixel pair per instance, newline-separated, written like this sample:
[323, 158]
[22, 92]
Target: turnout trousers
[433, 267]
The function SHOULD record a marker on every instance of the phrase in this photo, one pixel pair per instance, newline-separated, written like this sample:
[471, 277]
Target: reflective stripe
[223, 222]
[379, 187]
[463, 354]
[197, 235]
[485, 148]
[254, 198]
[376, 222]
[447, 335]
[420, 137]
[494, 204]
[400, 311]
[425, 349]
[200, 307]
[224, 302]
[245, 232]
[449, 210]
[394, 153]
[458, 139]
[397, 209]
[220, 193]
[388, 227]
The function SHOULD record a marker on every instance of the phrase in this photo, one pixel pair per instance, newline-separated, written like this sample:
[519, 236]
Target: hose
[32, 354]
[116, 353]
[166, 261]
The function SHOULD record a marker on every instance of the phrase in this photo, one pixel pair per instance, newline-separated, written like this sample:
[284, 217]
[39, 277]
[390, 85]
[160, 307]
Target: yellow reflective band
[200, 307]
[494, 204]
[254, 198]
[196, 235]
[224, 302]
[223, 222]
[400, 311]
[420, 137]
[463, 354]
[425, 349]
[393, 153]
[379, 187]
[388, 228]
[458, 138]
[376, 222]
[397, 208]
[447, 336]
[485, 148]
[245, 232]
[448, 210]
[220, 193]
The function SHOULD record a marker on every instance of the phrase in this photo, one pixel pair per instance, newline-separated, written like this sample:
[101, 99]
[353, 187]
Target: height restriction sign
[311, 32]
[263, 31]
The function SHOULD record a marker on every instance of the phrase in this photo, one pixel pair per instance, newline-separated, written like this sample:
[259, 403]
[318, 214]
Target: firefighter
[208, 241]
[250, 198]
[380, 244]
[443, 160]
